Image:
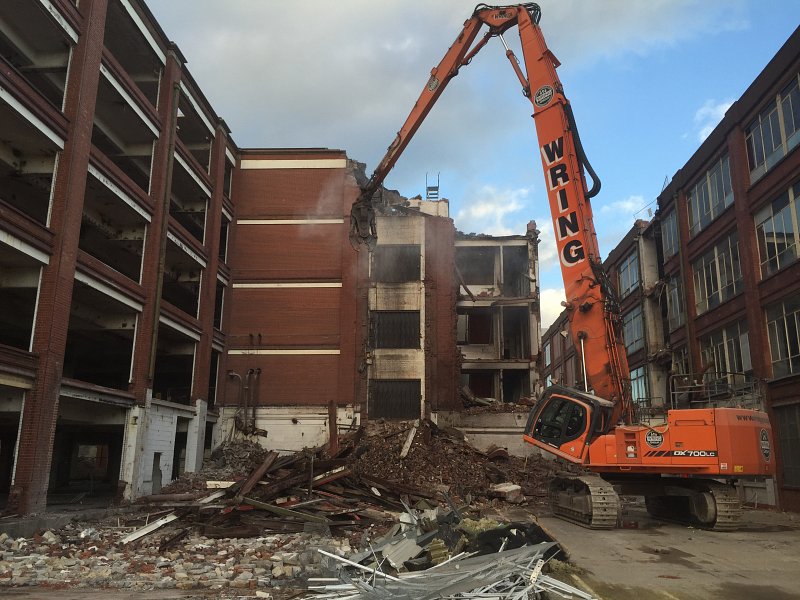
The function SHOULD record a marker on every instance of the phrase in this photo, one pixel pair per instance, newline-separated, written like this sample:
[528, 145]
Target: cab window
[561, 420]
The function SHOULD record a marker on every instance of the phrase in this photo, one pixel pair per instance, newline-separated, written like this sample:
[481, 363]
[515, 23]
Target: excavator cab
[564, 422]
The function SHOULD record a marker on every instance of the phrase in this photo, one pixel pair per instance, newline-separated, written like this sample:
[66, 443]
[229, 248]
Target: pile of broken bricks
[400, 492]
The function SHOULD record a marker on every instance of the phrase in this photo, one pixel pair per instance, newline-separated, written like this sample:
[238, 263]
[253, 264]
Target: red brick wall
[286, 317]
[283, 319]
[287, 252]
[295, 380]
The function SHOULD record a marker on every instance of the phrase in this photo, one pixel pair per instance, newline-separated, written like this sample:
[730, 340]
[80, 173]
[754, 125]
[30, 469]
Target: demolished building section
[498, 314]
[411, 356]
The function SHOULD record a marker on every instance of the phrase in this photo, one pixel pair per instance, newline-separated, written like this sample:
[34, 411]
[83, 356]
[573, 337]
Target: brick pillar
[208, 289]
[682, 217]
[353, 315]
[748, 254]
[155, 245]
[40, 410]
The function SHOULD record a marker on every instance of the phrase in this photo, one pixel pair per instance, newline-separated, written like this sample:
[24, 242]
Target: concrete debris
[263, 519]
[443, 462]
[276, 564]
[510, 492]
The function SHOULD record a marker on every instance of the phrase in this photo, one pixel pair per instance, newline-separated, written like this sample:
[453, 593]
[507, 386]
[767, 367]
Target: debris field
[397, 497]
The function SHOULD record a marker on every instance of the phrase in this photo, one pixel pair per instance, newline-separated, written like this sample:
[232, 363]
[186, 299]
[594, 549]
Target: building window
[717, 274]
[640, 394]
[774, 132]
[629, 274]
[711, 195]
[788, 426]
[548, 381]
[676, 304]
[394, 398]
[777, 231]
[680, 361]
[633, 330]
[669, 234]
[727, 350]
[396, 263]
[783, 326]
[546, 351]
[395, 329]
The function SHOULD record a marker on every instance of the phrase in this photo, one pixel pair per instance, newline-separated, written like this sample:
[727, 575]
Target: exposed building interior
[497, 312]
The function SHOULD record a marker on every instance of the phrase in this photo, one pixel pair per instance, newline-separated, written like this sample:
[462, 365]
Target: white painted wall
[483, 430]
[289, 428]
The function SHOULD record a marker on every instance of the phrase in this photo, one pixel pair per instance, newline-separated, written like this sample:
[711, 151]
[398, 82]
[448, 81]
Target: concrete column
[37, 431]
[196, 438]
[132, 450]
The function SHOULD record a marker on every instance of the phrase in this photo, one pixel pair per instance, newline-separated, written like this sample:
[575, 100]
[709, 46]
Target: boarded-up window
[394, 398]
[396, 264]
[395, 328]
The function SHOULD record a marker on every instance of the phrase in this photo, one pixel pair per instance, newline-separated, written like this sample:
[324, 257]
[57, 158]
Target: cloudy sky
[648, 80]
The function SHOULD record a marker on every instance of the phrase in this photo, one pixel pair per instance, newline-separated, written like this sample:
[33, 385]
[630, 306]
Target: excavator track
[708, 505]
[588, 501]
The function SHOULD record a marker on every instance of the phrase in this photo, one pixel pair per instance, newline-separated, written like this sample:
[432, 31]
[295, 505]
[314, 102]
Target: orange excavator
[683, 467]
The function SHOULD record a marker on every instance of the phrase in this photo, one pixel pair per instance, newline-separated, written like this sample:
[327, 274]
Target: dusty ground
[671, 561]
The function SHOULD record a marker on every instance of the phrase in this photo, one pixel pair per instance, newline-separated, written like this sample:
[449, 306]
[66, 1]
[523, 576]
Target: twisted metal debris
[506, 575]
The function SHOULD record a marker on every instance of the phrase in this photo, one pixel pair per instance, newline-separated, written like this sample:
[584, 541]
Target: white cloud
[345, 74]
[550, 300]
[626, 207]
[709, 115]
[487, 210]
[548, 252]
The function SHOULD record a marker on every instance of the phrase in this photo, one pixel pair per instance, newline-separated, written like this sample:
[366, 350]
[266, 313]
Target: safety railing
[716, 390]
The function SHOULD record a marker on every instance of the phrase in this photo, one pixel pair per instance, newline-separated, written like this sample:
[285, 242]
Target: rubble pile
[230, 460]
[256, 520]
[440, 459]
[79, 556]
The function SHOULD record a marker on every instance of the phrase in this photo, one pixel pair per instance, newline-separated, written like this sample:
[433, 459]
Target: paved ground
[671, 561]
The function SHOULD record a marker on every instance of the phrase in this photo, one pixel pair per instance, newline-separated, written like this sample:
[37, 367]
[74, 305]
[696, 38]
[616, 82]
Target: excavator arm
[590, 299]
[461, 52]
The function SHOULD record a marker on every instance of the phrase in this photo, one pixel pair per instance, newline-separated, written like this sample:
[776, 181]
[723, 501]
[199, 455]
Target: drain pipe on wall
[232, 375]
[255, 396]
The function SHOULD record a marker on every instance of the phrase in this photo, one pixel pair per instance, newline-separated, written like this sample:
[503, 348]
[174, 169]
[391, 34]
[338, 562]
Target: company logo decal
[766, 450]
[543, 96]
[568, 228]
[653, 439]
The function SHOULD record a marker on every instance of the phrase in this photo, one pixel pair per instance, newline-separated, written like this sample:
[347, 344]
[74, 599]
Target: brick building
[728, 230]
[115, 176]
